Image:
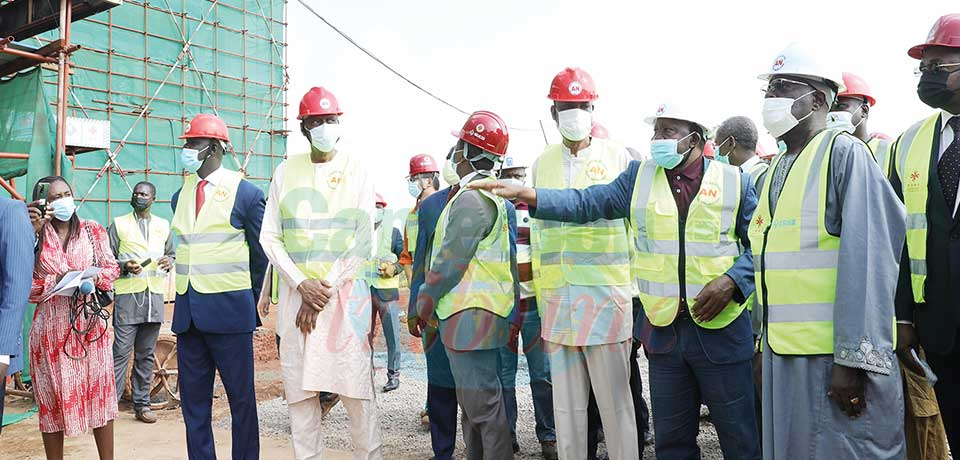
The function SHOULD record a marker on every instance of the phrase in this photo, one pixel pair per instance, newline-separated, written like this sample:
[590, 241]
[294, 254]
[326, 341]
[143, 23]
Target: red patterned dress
[75, 393]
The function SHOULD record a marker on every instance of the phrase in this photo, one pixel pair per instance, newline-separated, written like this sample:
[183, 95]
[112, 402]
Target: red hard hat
[946, 32]
[485, 130]
[206, 125]
[708, 150]
[856, 87]
[572, 85]
[422, 163]
[380, 200]
[599, 132]
[879, 135]
[762, 152]
[318, 101]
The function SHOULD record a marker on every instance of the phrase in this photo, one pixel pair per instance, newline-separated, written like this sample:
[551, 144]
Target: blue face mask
[725, 159]
[190, 159]
[63, 208]
[413, 188]
[664, 152]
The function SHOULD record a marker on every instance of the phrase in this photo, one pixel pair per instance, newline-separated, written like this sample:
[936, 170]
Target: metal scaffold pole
[63, 79]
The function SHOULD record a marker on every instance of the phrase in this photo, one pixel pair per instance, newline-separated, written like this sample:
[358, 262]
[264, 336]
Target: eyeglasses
[778, 84]
[935, 67]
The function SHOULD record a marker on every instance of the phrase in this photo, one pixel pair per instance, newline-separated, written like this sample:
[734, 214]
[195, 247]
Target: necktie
[948, 170]
[453, 191]
[201, 195]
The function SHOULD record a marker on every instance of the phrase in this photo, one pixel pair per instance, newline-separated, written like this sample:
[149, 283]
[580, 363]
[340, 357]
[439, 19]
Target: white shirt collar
[749, 163]
[944, 118]
[469, 177]
[582, 153]
[215, 177]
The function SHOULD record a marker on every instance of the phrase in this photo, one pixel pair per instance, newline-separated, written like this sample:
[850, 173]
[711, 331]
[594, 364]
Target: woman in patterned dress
[72, 372]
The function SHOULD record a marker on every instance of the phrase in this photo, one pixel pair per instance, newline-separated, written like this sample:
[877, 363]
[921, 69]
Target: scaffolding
[148, 67]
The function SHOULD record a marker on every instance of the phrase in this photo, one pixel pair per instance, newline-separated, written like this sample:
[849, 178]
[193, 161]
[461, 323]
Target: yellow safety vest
[411, 229]
[912, 158]
[755, 172]
[487, 282]
[795, 259]
[133, 246]
[591, 254]
[385, 255]
[212, 255]
[320, 217]
[708, 245]
[880, 148]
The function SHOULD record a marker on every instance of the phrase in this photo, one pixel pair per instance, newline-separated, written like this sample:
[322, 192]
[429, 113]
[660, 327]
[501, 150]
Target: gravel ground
[402, 436]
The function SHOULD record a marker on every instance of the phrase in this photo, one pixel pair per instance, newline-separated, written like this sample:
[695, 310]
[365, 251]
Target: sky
[501, 55]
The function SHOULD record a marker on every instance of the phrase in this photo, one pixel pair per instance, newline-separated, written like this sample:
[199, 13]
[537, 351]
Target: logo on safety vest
[709, 193]
[575, 88]
[778, 62]
[759, 221]
[914, 184]
[480, 128]
[914, 176]
[324, 103]
[220, 194]
[335, 179]
[596, 170]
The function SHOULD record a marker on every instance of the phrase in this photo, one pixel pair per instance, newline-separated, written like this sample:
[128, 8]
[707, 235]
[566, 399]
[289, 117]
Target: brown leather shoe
[145, 415]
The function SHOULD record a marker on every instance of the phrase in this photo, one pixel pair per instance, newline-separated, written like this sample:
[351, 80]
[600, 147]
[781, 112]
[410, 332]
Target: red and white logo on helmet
[324, 103]
[187, 130]
[575, 88]
[778, 62]
[661, 109]
[480, 128]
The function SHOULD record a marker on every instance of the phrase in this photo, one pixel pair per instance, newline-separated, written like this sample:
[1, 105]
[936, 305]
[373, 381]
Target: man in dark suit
[16, 256]
[220, 269]
[925, 173]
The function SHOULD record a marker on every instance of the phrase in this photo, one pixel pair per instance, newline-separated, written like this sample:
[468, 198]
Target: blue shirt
[235, 311]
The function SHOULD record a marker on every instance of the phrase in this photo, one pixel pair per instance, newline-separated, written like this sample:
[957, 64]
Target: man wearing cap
[318, 234]
[925, 172]
[471, 286]
[692, 283]
[219, 272]
[527, 327]
[831, 383]
[422, 181]
[850, 113]
[582, 272]
[385, 289]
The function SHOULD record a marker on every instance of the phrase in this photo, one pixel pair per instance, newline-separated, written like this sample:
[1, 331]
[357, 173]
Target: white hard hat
[679, 111]
[798, 59]
[512, 161]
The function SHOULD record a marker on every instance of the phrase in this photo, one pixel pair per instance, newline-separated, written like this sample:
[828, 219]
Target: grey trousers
[486, 431]
[390, 320]
[141, 339]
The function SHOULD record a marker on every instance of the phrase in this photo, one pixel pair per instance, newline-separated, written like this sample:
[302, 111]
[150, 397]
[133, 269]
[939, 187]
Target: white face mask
[378, 217]
[778, 116]
[575, 124]
[324, 137]
[449, 172]
[842, 120]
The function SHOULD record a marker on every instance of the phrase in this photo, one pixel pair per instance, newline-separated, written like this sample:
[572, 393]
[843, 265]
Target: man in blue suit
[16, 254]
[220, 269]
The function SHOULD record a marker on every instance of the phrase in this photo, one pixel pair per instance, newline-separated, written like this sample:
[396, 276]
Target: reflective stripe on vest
[384, 255]
[710, 244]
[321, 218]
[487, 282]
[134, 247]
[591, 254]
[757, 170]
[880, 148]
[212, 255]
[914, 153]
[411, 229]
[795, 259]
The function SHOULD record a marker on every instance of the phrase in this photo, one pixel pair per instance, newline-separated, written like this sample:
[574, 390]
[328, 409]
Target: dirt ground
[403, 438]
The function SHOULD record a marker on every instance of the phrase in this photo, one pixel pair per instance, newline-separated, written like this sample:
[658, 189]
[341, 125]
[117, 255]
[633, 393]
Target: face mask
[378, 217]
[575, 124]
[190, 159]
[933, 91]
[664, 152]
[514, 181]
[325, 136]
[413, 188]
[725, 159]
[449, 172]
[139, 204]
[63, 208]
[781, 147]
[778, 114]
[841, 120]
